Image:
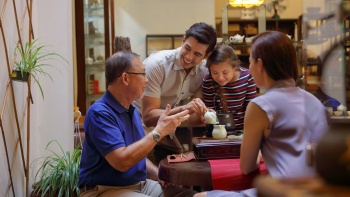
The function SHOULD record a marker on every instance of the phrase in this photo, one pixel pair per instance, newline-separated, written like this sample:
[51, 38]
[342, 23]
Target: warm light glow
[245, 3]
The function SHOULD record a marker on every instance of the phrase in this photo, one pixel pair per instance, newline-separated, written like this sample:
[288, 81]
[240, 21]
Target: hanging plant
[33, 59]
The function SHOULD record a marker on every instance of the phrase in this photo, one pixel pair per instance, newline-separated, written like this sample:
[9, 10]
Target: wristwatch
[156, 136]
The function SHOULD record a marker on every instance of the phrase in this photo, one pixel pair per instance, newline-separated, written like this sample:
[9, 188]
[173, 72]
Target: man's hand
[196, 106]
[167, 123]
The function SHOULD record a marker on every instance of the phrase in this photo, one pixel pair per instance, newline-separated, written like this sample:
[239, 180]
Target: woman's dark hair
[204, 33]
[221, 54]
[117, 64]
[277, 53]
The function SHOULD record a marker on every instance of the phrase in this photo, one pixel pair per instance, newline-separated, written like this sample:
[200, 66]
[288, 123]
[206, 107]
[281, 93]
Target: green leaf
[58, 172]
[34, 58]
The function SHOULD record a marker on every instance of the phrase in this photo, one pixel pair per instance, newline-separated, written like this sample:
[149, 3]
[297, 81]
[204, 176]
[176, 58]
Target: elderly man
[114, 154]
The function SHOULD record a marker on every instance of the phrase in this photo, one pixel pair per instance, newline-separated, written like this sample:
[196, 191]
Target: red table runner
[226, 175]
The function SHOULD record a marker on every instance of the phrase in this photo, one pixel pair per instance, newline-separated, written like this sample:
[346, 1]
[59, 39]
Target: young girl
[228, 88]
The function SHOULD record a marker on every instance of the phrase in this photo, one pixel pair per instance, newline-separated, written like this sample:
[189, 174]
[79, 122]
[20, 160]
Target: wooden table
[199, 173]
[190, 173]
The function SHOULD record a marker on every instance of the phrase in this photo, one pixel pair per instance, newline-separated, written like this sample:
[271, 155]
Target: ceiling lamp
[245, 3]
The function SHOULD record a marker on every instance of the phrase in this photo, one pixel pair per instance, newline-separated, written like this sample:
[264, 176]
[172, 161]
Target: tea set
[238, 39]
[218, 124]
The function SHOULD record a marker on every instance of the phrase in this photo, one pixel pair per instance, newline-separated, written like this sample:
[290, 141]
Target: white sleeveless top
[297, 118]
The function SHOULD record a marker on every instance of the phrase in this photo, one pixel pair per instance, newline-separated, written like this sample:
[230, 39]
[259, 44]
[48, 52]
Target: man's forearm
[124, 158]
[152, 117]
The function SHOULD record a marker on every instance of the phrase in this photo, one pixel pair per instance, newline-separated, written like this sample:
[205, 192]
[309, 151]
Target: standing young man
[175, 75]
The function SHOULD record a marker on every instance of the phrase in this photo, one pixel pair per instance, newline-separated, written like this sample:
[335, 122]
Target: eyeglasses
[133, 73]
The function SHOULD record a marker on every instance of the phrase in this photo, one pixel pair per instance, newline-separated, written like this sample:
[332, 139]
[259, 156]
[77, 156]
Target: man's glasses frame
[134, 73]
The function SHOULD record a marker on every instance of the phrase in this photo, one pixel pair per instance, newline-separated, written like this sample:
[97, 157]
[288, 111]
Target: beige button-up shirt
[168, 80]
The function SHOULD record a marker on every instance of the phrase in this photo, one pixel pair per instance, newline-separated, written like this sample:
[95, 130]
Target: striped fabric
[237, 94]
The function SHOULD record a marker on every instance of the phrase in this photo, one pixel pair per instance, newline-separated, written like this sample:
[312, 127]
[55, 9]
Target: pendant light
[245, 3]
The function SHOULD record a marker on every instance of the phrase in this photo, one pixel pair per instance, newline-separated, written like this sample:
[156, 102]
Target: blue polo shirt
[108, 126]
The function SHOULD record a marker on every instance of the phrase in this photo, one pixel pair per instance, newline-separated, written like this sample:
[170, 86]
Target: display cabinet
[157, 42]
[93, 46]
[249, 27]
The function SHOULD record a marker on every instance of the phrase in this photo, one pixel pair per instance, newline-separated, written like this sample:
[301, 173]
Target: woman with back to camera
[229, 87]
[283, 121]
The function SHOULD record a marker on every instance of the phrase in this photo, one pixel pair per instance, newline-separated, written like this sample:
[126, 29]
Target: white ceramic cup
[330, 110]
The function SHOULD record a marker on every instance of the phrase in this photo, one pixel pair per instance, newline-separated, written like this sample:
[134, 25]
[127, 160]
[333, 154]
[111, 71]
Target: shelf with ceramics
[93, 47]
[158, 42]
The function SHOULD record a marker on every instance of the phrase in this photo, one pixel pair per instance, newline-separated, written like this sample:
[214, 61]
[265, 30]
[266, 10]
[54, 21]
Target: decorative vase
[333, 154]
[227, 120]
[219, 132]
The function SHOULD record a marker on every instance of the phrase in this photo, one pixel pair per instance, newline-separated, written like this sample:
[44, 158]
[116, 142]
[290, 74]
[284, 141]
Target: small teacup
[330, 111]
[338, 113]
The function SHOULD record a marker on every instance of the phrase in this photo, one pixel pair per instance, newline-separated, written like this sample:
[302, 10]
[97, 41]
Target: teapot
[210, 117]
[237, 38]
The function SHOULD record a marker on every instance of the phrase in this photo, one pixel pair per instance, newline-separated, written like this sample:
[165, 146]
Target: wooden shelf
[249, 27]
[158, 42]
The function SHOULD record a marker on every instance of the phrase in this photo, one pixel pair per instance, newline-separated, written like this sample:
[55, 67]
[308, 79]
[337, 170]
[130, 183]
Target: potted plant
[33, 60]
[57, 174]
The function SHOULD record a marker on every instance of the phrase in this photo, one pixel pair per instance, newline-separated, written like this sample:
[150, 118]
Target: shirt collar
[177, 63]
[110, 100]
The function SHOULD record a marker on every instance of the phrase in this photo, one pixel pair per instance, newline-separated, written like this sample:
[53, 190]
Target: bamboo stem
[7, 157]
[30, 18]
[18, 31]
[28, 135]
[28, 101]
[9, 84]
[3, 11]
[4, 141]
